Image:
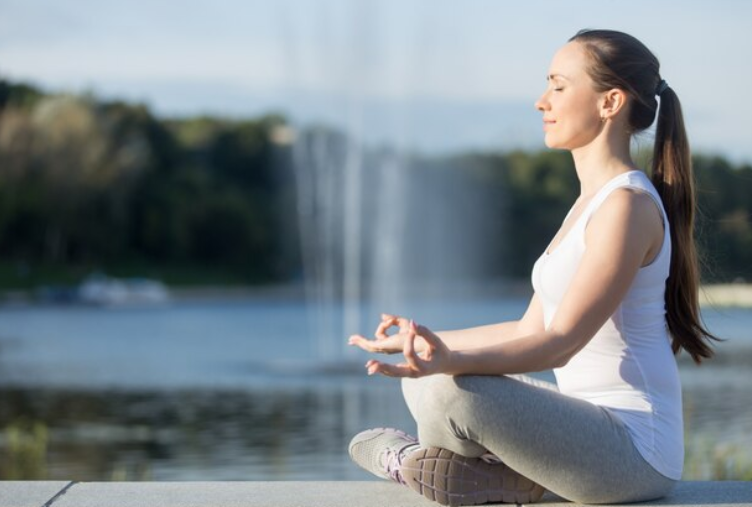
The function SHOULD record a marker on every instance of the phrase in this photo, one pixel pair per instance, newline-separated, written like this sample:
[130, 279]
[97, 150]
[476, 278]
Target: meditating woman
[615, 298]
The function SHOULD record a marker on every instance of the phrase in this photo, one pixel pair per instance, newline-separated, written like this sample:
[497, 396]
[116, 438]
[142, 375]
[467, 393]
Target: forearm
[536, 352]
[481, 336]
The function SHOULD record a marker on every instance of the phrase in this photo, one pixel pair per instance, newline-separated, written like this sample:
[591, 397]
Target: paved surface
[29, 494]
[296, 494]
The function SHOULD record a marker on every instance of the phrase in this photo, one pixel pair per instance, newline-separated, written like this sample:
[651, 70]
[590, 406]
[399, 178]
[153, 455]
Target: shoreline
[735, 295]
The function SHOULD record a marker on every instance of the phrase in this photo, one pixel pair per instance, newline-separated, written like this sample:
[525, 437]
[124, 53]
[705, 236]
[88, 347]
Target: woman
[615, 298]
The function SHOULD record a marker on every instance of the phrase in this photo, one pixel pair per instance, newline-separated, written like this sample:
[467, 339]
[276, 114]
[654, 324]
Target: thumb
[409, 348]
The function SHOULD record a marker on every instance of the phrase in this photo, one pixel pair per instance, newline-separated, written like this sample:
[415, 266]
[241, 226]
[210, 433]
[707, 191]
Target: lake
[264, 390]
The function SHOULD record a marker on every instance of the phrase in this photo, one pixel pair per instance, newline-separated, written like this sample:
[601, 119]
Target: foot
[450, 479]
[381, 451]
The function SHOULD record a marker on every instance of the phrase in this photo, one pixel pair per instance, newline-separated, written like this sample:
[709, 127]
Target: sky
[432, 75]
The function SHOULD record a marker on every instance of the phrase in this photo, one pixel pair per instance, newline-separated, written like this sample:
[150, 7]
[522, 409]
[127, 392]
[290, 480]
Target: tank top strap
[639, 181]
[632, 179]
[600, 197]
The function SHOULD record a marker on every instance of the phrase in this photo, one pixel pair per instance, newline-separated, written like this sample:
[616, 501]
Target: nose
[542, 103]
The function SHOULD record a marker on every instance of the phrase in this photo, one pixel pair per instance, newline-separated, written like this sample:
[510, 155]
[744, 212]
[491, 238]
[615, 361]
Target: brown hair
[619, 60]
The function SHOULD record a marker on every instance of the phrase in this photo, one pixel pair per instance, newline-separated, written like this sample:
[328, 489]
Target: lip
[548, 123]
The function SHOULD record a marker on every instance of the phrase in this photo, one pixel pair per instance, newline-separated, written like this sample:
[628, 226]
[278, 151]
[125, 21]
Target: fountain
[381, 227]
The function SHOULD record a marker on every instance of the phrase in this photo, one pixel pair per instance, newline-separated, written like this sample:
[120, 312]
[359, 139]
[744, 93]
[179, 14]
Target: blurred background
[199, 202]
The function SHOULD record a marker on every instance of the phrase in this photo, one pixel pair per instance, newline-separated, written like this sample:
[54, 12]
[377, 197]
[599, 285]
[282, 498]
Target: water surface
[240, 390]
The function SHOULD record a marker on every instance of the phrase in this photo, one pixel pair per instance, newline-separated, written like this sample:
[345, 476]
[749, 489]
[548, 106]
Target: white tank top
[628, 366]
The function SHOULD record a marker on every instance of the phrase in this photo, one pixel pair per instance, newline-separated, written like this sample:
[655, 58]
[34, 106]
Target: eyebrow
[556, 76]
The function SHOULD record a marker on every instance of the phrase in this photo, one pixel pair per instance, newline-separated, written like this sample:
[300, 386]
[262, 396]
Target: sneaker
[450, 479]
[381, 451]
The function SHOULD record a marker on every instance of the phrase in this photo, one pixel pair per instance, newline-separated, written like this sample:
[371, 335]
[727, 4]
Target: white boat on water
[103, 290]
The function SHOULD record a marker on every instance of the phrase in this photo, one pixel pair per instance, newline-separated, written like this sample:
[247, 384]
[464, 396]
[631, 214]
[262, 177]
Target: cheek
[583, 112]
[578, 124]
[582, 119]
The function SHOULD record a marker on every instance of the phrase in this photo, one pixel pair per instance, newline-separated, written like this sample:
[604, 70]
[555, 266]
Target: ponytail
[672, 177]
[618, 60]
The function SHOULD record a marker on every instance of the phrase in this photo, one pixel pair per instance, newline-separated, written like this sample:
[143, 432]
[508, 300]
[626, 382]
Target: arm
[463, 339]
[485, 336]
[623, 235]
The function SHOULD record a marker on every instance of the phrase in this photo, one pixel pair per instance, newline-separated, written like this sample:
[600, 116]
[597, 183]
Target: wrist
[456, 363]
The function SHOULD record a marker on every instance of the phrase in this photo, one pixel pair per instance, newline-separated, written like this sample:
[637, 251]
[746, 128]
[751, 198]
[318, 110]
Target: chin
[551, 143]
[558, 144]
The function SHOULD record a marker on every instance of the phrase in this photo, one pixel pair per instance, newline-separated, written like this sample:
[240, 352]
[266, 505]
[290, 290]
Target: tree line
[87, 183]
[101, 184]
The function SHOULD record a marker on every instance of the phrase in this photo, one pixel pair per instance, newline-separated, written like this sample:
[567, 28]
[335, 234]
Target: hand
[384, 343]
[435, 358]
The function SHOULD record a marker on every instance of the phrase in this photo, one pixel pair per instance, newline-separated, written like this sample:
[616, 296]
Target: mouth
[548, 123]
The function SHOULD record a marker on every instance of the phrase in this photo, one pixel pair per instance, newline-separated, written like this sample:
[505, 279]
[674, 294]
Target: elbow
[561, 361]
[567, 349]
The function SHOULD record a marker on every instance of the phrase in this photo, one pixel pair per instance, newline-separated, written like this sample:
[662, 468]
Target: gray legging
[571, 447]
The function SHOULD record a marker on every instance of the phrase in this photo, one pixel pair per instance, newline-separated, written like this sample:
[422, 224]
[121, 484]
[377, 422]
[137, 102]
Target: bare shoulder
[629, 220]
[631, 207]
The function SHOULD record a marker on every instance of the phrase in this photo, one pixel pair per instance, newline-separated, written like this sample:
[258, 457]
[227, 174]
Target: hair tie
[661, 87]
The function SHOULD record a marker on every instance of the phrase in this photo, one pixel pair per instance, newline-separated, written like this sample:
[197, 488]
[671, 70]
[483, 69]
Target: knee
[444, 417]
[456, 396]
[446, 398]
[441, 393]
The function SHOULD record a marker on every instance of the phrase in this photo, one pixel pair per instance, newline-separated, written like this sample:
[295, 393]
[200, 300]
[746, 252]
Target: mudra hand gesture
[425, 353]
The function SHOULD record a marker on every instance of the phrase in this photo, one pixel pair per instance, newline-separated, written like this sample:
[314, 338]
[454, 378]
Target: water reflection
[264, 434]
[189, 393]
[202, 434]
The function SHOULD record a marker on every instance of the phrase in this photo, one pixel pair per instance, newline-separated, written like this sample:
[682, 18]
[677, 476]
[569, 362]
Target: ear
[612, 102]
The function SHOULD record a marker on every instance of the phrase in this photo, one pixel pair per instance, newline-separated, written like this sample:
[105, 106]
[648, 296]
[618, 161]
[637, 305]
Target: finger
[389, 345]
[409, 350]
[402, 322]
[382, 328]
[431, 339]
[390, 370]
[362, 342]
[356, 338]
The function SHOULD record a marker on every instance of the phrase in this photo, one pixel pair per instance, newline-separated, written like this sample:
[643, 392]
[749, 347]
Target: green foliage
[104, 184]
[88, 184]
[724, 228]
[707, 460]
[534, 192]
[541, 188]
[25, 453]
[19, 95]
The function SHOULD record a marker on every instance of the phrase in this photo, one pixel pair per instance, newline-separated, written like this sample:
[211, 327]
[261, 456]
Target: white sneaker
[381, 451]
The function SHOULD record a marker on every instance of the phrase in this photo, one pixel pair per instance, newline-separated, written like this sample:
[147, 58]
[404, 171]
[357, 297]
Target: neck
[600, 161]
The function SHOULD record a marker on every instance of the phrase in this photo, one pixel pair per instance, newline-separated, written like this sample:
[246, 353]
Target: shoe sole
[450, 479]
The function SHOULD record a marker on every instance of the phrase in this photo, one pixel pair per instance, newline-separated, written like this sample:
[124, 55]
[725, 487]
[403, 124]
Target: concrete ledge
[296, 494]
[29, 494]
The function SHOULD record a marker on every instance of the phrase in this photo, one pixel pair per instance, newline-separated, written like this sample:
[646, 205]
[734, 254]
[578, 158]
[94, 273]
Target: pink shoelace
[392, 461]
